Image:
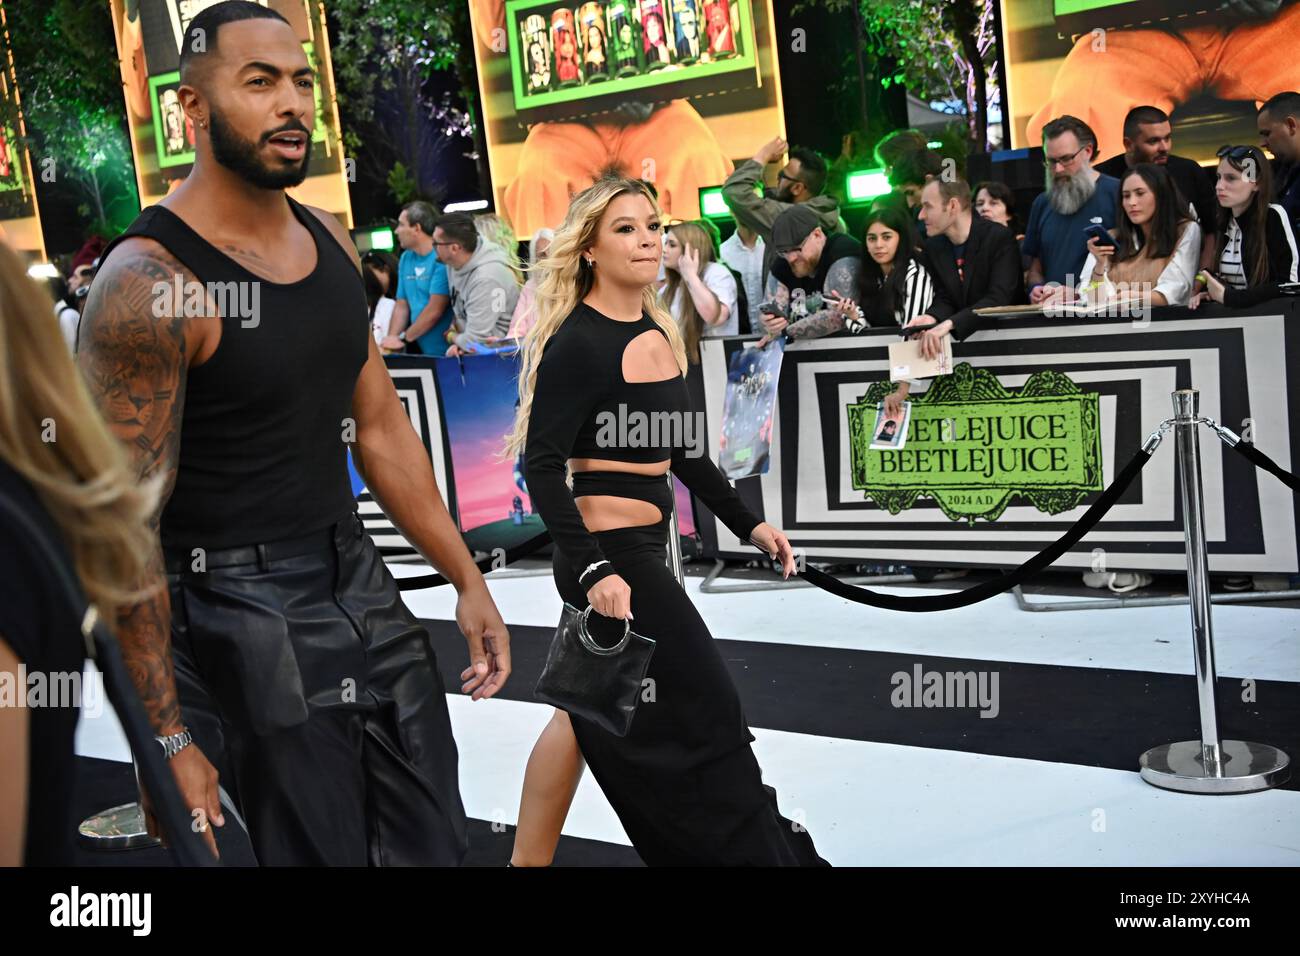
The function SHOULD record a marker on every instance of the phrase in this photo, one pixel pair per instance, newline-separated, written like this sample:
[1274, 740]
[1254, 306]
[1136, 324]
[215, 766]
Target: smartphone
[1098, 231]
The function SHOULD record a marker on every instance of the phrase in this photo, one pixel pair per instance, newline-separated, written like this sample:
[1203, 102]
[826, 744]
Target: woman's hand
[776, 544]
[847, 308]
[1101, 253]
[895, 399]
[688, 263]
[611, 597]
[1213, 288]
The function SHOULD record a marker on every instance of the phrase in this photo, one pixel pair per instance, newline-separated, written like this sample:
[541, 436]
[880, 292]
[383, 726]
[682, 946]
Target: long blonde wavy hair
[564, 280]
[82, 474]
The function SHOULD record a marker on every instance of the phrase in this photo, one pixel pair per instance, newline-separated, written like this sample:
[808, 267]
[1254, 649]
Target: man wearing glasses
[1077, 196]
[799, 182]
[423, 290]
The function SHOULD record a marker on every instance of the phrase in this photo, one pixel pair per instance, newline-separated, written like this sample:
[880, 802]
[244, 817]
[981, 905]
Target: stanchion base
[117, 828]
[1246, 767]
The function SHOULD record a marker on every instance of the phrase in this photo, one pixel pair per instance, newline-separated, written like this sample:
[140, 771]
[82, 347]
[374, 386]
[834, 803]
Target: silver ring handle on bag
[585, 636]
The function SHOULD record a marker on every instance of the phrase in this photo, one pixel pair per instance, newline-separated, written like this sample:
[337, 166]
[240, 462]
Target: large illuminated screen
[1207, 64]
[673, 91]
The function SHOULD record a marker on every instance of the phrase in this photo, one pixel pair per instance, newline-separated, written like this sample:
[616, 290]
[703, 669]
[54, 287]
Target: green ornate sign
[972, 445]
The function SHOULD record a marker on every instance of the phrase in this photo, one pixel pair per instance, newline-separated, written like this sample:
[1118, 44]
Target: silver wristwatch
[401, 336]
[173, 744]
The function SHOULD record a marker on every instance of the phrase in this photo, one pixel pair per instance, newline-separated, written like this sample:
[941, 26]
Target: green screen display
[569, 59]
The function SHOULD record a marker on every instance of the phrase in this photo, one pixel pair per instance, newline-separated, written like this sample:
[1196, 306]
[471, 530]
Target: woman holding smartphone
[684, 780]
[1152, 252]
[1256, 248]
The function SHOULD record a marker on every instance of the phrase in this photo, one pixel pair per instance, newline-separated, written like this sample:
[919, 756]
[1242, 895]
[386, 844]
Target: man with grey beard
[1077, 196]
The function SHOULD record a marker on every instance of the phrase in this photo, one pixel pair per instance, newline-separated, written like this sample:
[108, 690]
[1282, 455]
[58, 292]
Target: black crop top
[583, 408]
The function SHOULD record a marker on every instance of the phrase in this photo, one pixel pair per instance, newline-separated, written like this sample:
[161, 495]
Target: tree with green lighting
[945, 49]
[391, 49]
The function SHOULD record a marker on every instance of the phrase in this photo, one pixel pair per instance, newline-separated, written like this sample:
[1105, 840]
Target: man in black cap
[810, 272]
[799, 183]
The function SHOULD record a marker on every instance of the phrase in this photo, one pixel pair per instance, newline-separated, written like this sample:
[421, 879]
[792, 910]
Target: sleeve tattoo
[841, 278]
[134, 362]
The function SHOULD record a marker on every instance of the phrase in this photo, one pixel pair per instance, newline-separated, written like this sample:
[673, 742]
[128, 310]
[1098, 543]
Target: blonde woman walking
[683, 781]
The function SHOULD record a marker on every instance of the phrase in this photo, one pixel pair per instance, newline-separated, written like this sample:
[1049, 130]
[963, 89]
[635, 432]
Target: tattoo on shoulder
[250, 260]
[842, 277]
[133, 354]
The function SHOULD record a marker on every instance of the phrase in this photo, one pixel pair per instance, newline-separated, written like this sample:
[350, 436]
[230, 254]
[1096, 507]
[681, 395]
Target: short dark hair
[1282, 105]
[459, 228]
[916, 168]
[812, 168]
[422, 214]
[1071, 124]
[201, 35]
[957, 189]
[1142, 116]
[1002, 192]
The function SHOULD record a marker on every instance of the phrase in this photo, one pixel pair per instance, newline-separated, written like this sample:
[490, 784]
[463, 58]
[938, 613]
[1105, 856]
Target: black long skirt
[684, 781]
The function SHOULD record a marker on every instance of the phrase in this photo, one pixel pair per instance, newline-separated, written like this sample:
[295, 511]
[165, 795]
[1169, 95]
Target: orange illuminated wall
[20, 216]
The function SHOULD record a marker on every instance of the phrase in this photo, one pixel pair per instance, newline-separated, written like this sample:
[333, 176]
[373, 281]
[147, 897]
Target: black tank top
[262, 456]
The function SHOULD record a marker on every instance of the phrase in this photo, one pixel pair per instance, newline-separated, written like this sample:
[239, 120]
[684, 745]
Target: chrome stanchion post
[1208, 765]
[117, 828]
[674, 537]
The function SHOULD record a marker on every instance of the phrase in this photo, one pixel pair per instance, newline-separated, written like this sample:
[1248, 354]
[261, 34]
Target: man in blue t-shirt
[423, 293]
[1077, 196]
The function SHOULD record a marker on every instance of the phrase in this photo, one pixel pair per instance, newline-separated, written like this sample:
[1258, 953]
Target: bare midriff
[608, 512]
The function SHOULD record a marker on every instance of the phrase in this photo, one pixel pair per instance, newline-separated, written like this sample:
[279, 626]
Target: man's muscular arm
[134, 357]
[135, 365]
[396, 469]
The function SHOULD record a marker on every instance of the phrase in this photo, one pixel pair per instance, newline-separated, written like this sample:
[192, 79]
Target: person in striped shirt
[1256, 246]
[894, 285]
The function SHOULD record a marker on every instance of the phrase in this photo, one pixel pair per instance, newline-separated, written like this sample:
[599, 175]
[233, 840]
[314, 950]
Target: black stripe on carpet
[1079, 715]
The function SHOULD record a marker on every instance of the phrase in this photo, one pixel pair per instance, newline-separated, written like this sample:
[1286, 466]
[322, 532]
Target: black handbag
[599, 684]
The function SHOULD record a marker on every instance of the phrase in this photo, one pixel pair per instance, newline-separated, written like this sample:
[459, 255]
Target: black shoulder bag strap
[186, 846]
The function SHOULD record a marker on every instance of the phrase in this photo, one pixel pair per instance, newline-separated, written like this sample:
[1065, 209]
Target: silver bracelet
[589, 569]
